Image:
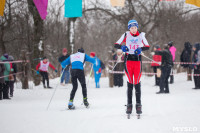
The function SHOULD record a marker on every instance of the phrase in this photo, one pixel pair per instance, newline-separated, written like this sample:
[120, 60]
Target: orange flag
[117, 2]
[193, 2]
[2, 5]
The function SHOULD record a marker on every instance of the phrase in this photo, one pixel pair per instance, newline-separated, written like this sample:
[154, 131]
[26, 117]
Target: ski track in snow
[26, 112]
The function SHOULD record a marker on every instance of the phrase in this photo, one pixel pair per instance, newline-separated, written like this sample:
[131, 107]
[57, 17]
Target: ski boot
[138, 107]
[70, 105]
[44, 86]
[129, 110]
[86, 102]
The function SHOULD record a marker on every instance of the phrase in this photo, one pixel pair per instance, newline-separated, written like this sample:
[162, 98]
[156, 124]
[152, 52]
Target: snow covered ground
[174, 112]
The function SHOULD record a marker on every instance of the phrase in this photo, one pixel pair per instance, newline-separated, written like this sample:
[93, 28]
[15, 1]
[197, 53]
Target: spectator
[166, 66]
[186, 58]
[6, 73]
[156, 66]
[65, 72]
[12, 78]
[172, 49]
[2, 69]
[118, 77]
[196, 59]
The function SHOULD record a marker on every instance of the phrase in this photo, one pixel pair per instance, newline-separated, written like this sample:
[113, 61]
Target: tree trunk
[25, 70]
[71, 35]
[38, 45]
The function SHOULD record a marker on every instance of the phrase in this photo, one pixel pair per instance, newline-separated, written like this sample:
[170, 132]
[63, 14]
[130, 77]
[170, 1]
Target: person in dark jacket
[2, 69]
[156, 66]
[166, 66]
[7, 71]
[12, 80]
[65, 71]
[186, 58]
[118, 77]
[196, 67]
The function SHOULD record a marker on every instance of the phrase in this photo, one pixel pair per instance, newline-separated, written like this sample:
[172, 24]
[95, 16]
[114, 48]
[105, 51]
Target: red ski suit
[133, 64]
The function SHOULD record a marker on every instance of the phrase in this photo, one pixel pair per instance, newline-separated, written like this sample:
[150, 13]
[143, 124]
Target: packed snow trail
[26, 112]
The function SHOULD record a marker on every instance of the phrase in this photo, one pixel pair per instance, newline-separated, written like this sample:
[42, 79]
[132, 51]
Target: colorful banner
[193, 2]
[41, 6]
[2, 5]
[120, 3]
[73, 8]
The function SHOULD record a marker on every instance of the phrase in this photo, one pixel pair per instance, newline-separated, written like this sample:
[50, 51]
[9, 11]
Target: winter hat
[44, 57]
[64, 50]
[170, 43]
[157, 46]
[6, 56]
[81, 50]
[11, 58]
[92, 54]
[132, 23]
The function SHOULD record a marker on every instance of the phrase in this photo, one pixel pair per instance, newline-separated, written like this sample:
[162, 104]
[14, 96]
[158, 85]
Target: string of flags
[41, 6]
[73, 8]
[193, 2]
[119, 3]
[2, 5]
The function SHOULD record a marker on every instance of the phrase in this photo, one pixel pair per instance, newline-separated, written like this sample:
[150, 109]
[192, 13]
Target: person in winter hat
[195, 59]
[77, 61]
[156, 66]
[12, 79]
[97, 67]
[65, 71]
[172, 49]
[135, 43]
[186, 58]
[42, 69]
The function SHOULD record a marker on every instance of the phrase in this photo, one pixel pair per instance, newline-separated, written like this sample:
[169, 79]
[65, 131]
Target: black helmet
[81, 50]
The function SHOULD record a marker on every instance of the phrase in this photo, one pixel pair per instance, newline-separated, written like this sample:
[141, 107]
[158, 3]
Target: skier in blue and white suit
[98, 67]
[77, 61]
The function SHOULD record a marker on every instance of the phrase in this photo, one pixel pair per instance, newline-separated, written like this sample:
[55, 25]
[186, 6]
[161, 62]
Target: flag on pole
[120, 3]
[73, 8]
[2, 5]
[41, 6]
[193, 2]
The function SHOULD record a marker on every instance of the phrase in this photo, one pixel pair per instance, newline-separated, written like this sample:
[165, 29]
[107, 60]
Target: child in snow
[42, 68]
[135, 43]
[98, 67]
[77, 73]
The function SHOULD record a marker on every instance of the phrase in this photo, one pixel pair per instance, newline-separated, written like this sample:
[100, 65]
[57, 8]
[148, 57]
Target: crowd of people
[130, 62]
[7, 76]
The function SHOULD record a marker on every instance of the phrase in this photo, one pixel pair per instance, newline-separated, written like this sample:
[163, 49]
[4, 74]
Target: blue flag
[73, 8]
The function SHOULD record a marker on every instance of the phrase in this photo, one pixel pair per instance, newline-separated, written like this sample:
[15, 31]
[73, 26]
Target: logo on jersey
[134, 41]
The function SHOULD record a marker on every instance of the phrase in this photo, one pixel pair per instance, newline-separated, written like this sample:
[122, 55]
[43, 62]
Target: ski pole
[90, 75]
[150, 58]
[55, 89]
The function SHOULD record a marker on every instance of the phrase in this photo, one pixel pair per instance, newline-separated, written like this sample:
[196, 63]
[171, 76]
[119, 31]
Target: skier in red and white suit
[135, 42]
